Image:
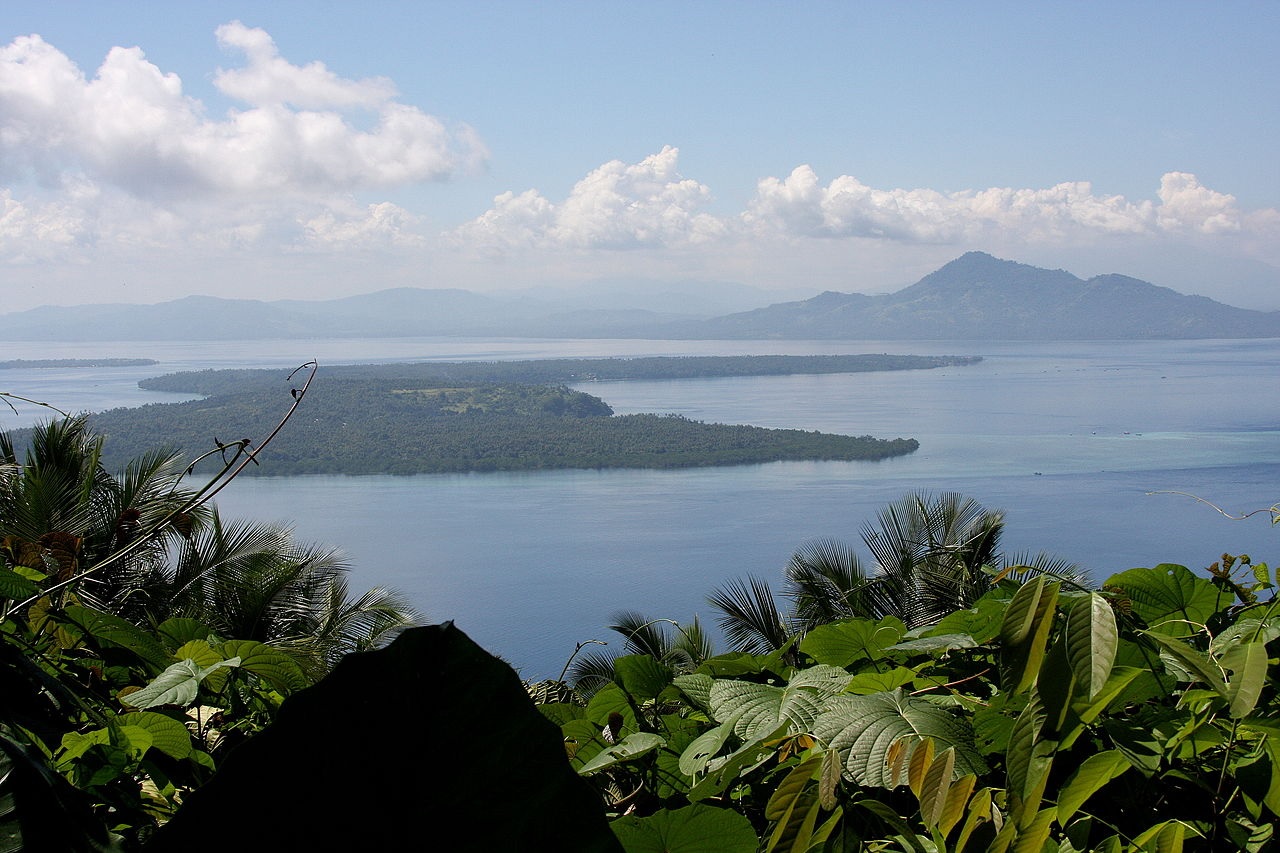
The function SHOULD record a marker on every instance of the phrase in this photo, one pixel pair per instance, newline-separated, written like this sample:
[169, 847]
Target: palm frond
[749, 616]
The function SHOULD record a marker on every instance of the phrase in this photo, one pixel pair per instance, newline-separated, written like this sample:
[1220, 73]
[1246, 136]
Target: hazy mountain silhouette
[975, 297]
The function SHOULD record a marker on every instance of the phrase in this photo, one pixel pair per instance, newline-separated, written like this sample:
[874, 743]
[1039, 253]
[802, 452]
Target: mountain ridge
[974, 297]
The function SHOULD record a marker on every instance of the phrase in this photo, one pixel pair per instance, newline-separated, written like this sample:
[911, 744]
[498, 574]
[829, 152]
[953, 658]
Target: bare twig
[1273, 510]
[230, 470]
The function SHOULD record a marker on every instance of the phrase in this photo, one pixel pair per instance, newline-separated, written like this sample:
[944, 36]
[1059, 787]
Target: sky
[150, 151]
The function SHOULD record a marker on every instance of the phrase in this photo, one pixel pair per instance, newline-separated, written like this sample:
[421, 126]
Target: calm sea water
[1080, 444]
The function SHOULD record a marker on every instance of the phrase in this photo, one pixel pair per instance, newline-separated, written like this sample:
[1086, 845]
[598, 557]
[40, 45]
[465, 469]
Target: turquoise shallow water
[1070, 439]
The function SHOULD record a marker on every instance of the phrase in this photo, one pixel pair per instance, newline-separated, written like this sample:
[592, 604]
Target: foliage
[1140, 716]
[124, 680]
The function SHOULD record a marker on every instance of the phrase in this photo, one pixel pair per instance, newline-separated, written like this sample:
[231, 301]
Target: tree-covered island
[444, 417]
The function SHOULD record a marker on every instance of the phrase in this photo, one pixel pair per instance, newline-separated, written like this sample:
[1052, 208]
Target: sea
[1108, 454]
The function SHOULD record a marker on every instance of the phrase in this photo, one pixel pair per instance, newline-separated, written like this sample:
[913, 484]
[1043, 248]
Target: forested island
[43, 363]
[441, 417]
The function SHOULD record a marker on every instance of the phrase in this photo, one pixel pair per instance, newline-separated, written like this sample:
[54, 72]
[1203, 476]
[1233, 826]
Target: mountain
[978, 297]
[975, 297]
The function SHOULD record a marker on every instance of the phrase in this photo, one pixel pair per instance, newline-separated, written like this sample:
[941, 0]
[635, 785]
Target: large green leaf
[697, 686]
[693, 829]
[1091, 639]
[1025, 631]
[643, 676]
[1248, 665]
[843, 643]
[632, 746]
[697, 755]
[15, 586]
[762, 708]
[267, 662]
[1171, 599]
[168, 735]
[177, 685]
[179, 630]
[1094, 772]
[863, 728]
[1194, 664]
[113, 630]
[982, 621]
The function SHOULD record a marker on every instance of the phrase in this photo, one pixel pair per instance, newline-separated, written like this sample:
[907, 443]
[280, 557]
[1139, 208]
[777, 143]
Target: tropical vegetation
[142, 636]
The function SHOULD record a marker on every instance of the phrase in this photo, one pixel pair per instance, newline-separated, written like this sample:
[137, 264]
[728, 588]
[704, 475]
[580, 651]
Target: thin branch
[230, 470]
[1273, 510]
[8, 397]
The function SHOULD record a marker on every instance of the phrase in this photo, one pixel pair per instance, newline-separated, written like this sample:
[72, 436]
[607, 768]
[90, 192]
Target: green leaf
[177, 685]
[706, 746]
[1196, 665]
[631, 747]
[842, 643]
[762, 708]
[982, 622]
[608, 701]
[280, 670]
[199, 651]
[1091, 638]
[935, 643]
[794, 808]
[643, 676]
[879, 682]
[723, 772]
[1248, 665]
[168, 735]
[1094, 772]
[179, 630]
[697, 687]
[1171, 599]
[1029, 758]
[1025, 631]
[1166, 837]
[693, 829]
[113, 630]
[15, 586]
[864, 728]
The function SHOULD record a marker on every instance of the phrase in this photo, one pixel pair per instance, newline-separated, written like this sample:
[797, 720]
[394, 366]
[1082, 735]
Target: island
[448, 417]
[44, 363]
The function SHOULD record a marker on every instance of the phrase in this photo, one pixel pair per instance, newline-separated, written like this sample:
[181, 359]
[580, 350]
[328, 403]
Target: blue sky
[286, 149]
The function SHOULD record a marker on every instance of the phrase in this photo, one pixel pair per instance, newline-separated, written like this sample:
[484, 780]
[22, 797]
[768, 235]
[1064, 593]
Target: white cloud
[125, 157]
[376, 225]
[799, 206]
[132, 127]
[616, 206]
[270, 80]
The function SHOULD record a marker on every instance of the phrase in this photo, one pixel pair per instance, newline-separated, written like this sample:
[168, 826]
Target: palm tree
[680, 647]
[62, 513]
[932, 555]
[142, 546]
[252, 581]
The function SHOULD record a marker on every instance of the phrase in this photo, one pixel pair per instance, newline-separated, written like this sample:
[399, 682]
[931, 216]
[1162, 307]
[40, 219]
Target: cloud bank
[94, 152]
[124, 165]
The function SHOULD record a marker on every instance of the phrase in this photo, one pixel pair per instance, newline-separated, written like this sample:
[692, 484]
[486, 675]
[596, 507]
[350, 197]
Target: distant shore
[40, 363]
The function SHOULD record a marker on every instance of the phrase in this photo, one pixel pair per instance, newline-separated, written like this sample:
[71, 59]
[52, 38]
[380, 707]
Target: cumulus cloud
[132, 127]
[125, 156]
[616, 206]
[272, 80]
[800, 206]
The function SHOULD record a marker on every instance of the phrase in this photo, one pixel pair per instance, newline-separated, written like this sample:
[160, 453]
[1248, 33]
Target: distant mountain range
[975, 297]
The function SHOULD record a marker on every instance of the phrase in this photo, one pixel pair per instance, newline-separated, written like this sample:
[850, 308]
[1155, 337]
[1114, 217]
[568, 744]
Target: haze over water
[1068, 438]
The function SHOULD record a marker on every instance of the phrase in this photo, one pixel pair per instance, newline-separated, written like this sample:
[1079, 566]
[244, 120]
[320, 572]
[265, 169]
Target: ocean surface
[1109, 454]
